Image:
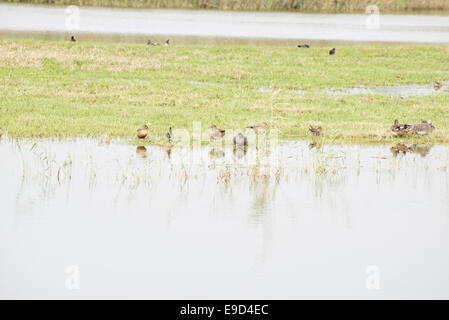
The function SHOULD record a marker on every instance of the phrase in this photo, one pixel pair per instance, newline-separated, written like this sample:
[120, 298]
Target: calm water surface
[189, 25]
[289, 221]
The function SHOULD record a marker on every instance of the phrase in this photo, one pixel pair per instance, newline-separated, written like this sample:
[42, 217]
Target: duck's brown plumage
[316, 131]
[142, 132]
[216, 133]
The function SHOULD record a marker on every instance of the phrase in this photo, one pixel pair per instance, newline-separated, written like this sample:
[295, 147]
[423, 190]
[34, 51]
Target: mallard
[240, 140]
[422, 128]
[142, 132]
[216, 133]
[259, 128]
[316, 131]
[332, 51]
[399, 129]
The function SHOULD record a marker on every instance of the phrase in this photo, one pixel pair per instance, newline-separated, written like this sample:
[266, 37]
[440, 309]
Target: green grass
[56, 89]
[322, 6]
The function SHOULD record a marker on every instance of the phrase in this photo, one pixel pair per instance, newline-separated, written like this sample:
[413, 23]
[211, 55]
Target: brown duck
[215, 133]
[400, 129]
[151, 43]
[422, 128]
[142, 132]
[316, 131]
[240, 140]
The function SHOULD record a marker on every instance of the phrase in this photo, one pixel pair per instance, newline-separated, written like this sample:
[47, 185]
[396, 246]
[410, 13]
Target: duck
[332, 51]
[399, 129]
[422, 128]
[72, 38]
[240, 140]
[316, 131]
[142, 132]
[167, 42]
[303, 46]
[216, 133]
[169, 135]
[437, 85]
[259, 128]
[151, 43]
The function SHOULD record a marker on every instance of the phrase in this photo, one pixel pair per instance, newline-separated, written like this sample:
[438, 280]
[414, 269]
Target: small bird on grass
[169, 135]
[167, 42]
[316, 131]
[332, 51]
[73, 39]
[240, 140]
[142, 132]
[215, 133]
[437, 85]
[151, 43]
[303, 46]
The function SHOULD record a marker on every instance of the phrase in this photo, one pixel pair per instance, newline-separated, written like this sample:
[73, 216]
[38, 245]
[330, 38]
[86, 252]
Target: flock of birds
[240, 140]
[403, 129]
[215, 133]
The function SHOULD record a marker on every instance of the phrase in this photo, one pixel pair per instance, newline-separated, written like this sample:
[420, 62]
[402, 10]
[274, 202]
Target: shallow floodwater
[93, 219]
[128, 24]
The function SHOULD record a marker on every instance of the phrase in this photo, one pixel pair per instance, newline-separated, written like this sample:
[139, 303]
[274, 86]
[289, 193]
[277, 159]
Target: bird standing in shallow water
[142, 132]
[216, 133]
[73, 39]
[259, 128]
[240, 140]
[332, 51]
[316, 131]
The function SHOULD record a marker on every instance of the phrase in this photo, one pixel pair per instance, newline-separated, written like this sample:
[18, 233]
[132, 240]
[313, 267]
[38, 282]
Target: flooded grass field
[328, 200]
[291, 220]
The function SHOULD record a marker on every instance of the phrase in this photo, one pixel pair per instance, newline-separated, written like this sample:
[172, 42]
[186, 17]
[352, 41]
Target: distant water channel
[197, 26]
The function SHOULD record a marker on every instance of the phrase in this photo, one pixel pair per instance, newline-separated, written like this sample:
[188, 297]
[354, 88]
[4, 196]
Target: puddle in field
[402, 91]
[213, 222]
[395, 91]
